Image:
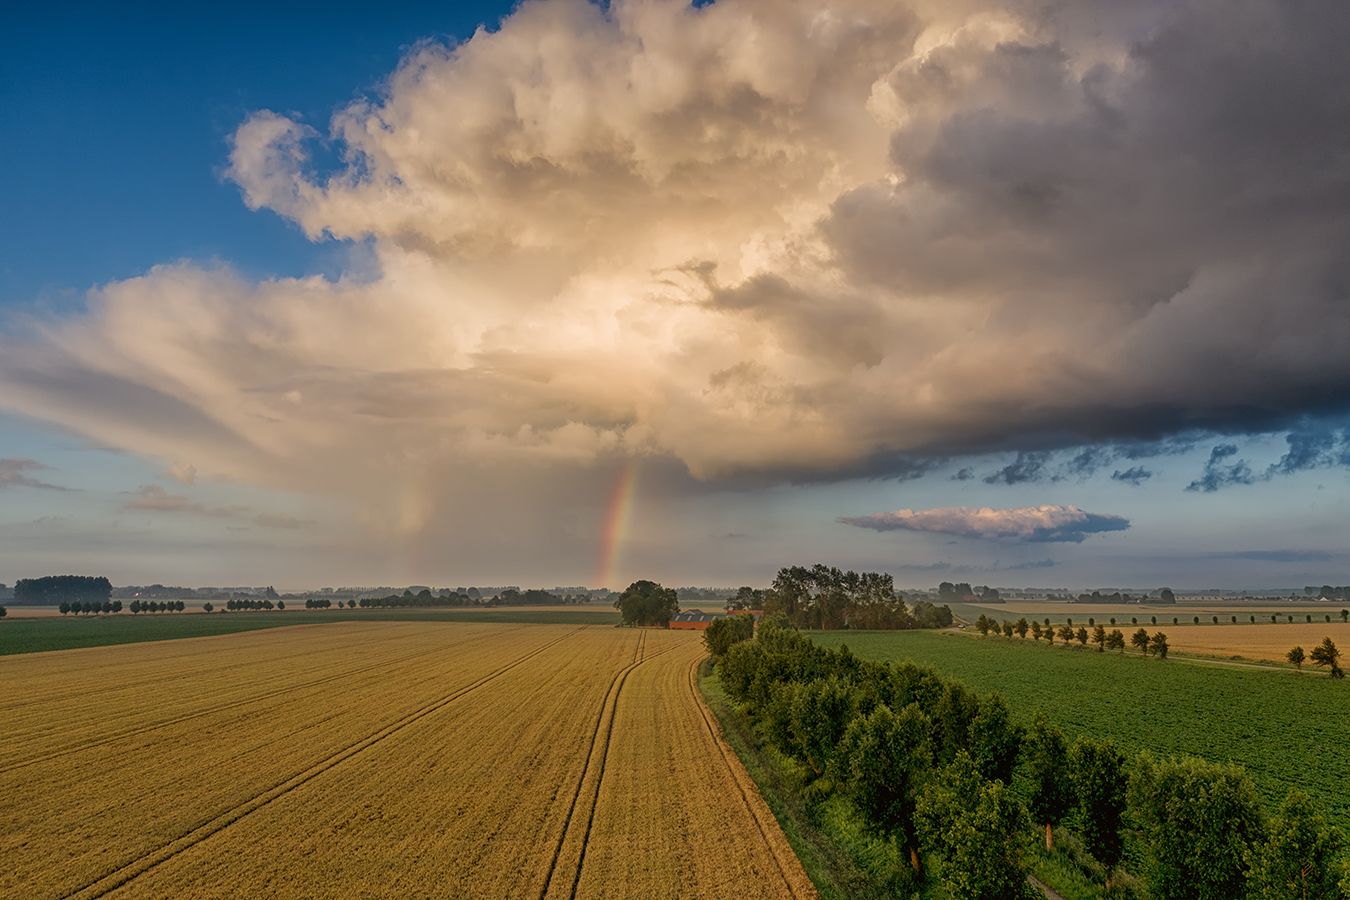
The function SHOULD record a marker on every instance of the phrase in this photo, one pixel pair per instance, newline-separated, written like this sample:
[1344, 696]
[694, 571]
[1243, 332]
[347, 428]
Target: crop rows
[412, 760]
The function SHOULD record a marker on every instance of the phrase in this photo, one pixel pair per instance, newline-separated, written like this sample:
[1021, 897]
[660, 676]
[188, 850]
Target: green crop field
[1287, 730]
[35, 635]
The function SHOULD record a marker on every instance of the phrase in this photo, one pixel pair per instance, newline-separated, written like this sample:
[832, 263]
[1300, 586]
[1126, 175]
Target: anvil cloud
[761, 238]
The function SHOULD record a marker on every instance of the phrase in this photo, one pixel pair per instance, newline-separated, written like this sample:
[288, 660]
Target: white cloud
[1032, 524]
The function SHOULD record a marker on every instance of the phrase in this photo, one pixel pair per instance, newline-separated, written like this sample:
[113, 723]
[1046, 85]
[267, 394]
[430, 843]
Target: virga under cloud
[784, 239]
[1032, 524]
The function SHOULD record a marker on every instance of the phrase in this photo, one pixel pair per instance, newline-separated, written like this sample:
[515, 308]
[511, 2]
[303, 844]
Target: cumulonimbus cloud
[784, 238]
[1032, 524]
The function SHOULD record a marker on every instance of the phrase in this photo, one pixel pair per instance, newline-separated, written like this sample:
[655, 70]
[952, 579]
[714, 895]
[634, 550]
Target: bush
[721, 633]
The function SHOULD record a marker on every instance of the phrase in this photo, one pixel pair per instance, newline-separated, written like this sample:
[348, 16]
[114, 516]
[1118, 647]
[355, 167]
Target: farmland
[51, 631]
[1262, 642]
[375, 759]
[1287, 730]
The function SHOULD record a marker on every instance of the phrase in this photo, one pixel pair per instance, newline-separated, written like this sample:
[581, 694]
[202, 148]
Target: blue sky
[272, 313]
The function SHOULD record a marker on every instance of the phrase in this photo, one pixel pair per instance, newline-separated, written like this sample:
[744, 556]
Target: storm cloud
[762, 238]
[1032, 524]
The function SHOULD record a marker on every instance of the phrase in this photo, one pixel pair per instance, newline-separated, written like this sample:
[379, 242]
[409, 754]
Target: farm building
[697, 619]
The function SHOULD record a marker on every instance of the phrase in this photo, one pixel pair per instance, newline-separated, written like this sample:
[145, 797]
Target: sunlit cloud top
[1036, 524]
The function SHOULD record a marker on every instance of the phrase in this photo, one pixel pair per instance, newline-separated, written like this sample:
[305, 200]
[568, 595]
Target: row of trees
[1325, 654]
[1105, 640]
[115, 606]
[54, 589]
[153, 606]
[243, 604]
[90, 607]
[929, 769]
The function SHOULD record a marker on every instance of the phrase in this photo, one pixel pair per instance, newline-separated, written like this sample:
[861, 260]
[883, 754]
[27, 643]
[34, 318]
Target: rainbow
[617, 517]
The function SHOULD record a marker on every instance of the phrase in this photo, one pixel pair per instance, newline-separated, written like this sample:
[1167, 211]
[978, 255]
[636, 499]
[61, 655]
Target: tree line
[241, 604]
[423, 598]
[958, 790]
[55, 589]
[1325, 654]
[90, 607]
[824, 597]
[152, 606]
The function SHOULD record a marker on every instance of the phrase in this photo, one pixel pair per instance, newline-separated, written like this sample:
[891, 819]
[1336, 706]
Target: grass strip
[827, 863]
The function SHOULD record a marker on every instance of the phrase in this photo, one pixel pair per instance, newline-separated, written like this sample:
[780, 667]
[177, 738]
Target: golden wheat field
[1266, 641]
[379, 760]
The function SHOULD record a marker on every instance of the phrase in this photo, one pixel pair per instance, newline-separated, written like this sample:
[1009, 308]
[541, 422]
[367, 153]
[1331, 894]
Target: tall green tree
[888, 758]
[1326, 654]
[821, 712]
[1047, 756]
[1299, 858]
[1296, 658]
[647, 603]
[1157, 645]
[1199, 822]
[995, 740]
[1097, 770]
[1140, 640]
[981, 833]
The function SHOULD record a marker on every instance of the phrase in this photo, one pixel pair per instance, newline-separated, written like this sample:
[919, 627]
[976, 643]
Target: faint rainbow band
[617, 517]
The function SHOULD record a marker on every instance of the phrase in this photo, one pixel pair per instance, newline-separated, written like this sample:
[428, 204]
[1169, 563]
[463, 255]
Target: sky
[556, 293]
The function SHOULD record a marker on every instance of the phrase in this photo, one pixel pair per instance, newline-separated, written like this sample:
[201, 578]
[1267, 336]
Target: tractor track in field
[127, 872]
[739, 776]
[596, 758]
[208, 711]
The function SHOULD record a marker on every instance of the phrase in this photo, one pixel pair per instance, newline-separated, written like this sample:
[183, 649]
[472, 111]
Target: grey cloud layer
[764, 238]
[1032, 524]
